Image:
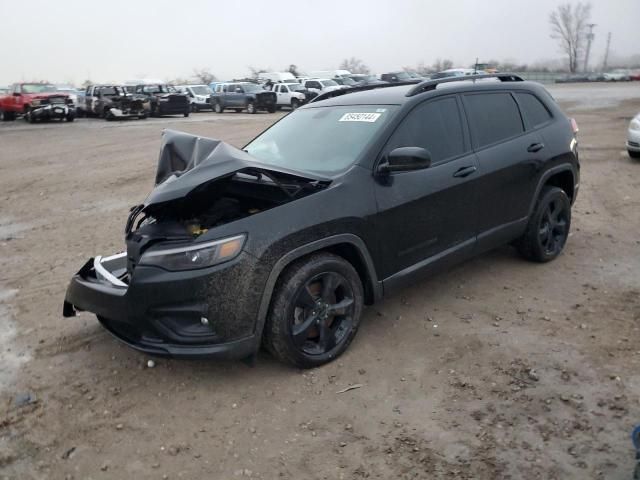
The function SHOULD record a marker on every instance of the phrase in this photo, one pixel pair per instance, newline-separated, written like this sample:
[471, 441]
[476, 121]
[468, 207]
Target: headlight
[195, 256]
[635, 124]
[35, 103]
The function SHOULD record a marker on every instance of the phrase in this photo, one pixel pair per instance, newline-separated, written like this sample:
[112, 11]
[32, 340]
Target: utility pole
[590, 37]
[606, 53]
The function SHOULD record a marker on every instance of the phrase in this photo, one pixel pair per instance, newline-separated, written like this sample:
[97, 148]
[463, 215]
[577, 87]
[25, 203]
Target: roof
[391, 94]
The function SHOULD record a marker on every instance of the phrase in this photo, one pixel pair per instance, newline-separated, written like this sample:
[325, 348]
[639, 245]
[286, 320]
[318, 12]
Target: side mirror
[405, 159]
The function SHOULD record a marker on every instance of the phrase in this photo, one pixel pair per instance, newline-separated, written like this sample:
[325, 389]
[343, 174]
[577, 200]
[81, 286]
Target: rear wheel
[315, 312]
[251, 108]
[548, 227]
[633, 154]
[218, 108]
[271, 109]
[7, 116]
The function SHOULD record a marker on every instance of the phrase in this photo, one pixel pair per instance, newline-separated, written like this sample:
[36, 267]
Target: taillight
[574, 126]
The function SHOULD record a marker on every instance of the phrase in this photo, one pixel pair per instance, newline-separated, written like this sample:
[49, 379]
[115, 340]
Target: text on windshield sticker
[360, 117]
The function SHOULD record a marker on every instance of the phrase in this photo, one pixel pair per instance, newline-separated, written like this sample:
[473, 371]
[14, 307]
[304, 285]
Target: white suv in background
[199, 96]
[321, 85]
[633, 137]
[289, 95]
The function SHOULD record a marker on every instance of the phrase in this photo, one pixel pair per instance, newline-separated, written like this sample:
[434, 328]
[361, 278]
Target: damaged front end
[186, 284]
[127, 106]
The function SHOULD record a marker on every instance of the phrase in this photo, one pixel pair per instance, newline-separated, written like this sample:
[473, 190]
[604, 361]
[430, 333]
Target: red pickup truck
[36, 101]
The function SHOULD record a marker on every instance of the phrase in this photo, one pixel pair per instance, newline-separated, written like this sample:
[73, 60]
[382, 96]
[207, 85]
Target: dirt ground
[498, 368]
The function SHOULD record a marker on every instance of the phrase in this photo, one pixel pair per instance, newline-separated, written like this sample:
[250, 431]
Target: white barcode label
[360, 117]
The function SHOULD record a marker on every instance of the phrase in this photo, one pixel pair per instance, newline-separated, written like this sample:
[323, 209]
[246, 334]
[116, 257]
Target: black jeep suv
[339, 203]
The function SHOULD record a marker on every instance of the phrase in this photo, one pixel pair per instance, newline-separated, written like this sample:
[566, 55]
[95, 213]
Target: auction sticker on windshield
[360, 117]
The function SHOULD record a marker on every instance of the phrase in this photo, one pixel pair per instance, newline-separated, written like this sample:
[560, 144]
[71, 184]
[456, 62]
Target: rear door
[428, 212]
[508, 156]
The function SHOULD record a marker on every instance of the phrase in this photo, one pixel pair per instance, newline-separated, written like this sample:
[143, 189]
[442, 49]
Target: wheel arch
[561, 176]
[348, 246]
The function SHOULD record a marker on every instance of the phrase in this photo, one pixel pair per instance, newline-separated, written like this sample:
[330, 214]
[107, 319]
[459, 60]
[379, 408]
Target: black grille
[178, 99]
[634, 144]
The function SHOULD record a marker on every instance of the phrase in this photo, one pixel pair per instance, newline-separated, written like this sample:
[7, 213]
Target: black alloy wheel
[315, 311]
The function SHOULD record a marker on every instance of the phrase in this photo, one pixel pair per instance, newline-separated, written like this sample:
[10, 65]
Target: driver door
[425, 216]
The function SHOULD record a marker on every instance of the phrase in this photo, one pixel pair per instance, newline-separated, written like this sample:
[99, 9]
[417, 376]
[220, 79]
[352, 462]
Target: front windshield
[403, 76]
[328, 83]
[201, 90]
[322, 139]
[111, 91]
[346, 81]
[38, 88]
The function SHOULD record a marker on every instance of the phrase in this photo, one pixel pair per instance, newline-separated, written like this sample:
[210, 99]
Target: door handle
[465, 171]
[535, 147]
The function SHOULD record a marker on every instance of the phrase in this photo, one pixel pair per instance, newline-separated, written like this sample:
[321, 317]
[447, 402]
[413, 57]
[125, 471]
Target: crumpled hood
[188, 161]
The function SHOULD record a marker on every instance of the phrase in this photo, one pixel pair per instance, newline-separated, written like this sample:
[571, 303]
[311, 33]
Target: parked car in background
[416, 75]
[36, 101]
[290, 95]
[199, 96]
[113, 101]
[456, 72]
[336, 205]
[617, 75]
[321, 85]
[635, 75]
[345, 82]
[303, 79]
[396, 77]
[4, 90]
[239, 96]
[164, 99]
[366, 79]
[633, 137]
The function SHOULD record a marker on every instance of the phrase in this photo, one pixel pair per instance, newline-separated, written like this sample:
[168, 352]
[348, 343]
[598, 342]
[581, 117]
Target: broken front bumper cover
[160, 312]
[52, 111]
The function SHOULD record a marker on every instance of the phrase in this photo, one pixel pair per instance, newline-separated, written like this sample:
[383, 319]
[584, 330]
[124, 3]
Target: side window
[493, 117]
[533, 109]
[277, 89]
[434, 125]
[16, 89]
[283, 89]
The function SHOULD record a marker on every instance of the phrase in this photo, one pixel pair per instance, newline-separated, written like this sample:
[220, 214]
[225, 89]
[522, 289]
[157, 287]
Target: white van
[278, 77]
[329, 73]
[199, 96]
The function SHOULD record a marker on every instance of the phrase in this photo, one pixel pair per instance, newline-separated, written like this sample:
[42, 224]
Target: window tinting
[493, 117]
[435, 126]
[533, 109]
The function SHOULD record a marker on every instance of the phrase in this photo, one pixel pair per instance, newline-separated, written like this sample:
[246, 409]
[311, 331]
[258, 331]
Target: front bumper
[47, 112]
[633, 140]
[161, 313]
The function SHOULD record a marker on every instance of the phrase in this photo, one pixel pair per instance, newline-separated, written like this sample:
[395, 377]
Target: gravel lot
[498, 368]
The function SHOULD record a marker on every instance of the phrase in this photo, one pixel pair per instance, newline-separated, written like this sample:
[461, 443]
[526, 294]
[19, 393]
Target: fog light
[204, 321]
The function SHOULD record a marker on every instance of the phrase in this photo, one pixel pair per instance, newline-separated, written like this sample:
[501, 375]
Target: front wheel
[295, 103]
[315, 312]
[194, 108]
[186, 114]
[70, 117]
[548, 227]
[218, 108]
[251, 108]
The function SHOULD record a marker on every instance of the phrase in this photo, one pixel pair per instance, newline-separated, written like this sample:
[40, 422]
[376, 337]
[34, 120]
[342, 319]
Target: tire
[548, 227]
[218, 108]
[70, 118]
[142, 117]
[295, 103]
[107, 115]
[238, 110]
[186, 114]
[28, 117]
[271, 109]
[251, 108]
[6, 116]
[302, 328]
[633, 154]
[194, 108]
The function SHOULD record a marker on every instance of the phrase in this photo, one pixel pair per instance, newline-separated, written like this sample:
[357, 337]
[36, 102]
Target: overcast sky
[115, 40]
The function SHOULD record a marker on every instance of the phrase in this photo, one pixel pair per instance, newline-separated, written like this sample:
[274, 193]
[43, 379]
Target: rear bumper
[161, 312]
[170, 108]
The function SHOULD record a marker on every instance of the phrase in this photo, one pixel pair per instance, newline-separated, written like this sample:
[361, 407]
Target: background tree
[203, 75]
[255, 72]
[354, 65]
[86, 83]
[441, 64]
[569, 27]
[293, 70]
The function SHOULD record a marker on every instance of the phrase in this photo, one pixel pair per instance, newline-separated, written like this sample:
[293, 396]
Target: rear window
[493, 117]
[533, 109]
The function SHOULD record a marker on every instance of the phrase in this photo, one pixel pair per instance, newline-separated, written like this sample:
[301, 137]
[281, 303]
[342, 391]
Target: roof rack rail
[428, 85]
[361, 88]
